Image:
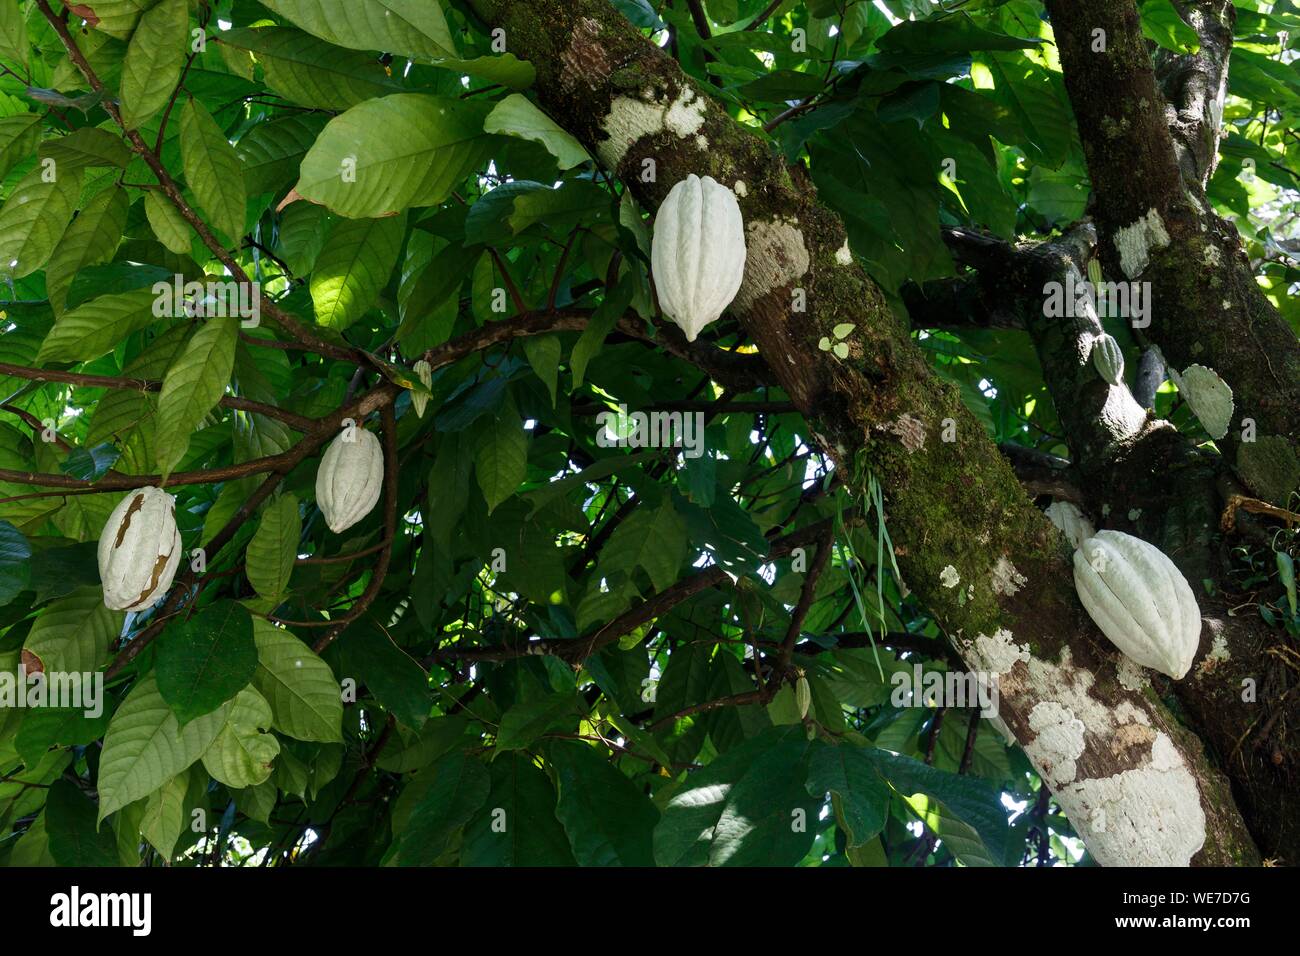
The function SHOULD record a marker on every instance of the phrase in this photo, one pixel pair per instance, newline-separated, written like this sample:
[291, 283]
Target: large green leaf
[19, 136]
[213, 170]
[242, 754]
[517, 116]
[154, 58]
[516, 825]
[15, 557]
[164, 814]
[501, 457]
[415, 28]
[305, 699]
[194, 384]
[271, 152]
[34, 217]
[273, 548]
[95, 327]
[204, 660]
[310, 71]
[13, 34]
[652, 540]
[75, 840]
[608, 819]
[73, 634]
[91, 239]
[354, 267]
[459, 786]
[145, 746]
[386, 155]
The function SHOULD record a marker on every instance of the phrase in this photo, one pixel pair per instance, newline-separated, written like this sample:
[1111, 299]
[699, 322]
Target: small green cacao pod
[350, 478]
[802, 695]
[139, 550]
[419, 400]
[697, 254]
[1108, 359]
[1140, 600]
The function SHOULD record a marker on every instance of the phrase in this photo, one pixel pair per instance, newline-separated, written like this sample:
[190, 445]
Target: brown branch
[825, 544]
[34, 423]
[735, 700]
[298, 422]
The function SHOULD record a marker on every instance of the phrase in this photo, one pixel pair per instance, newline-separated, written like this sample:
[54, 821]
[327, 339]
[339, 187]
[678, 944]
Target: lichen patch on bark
[777, 256]
[1136, 241]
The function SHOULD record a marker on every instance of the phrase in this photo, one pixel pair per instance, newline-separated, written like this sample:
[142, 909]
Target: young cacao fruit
[350, 478]
[1140, 600]
[1073, 523]
[697, 254]
[139, 550]
[802, 695]
[1108, 359]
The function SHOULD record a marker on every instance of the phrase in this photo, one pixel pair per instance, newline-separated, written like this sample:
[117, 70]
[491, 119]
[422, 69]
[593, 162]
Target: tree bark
[1134, 782]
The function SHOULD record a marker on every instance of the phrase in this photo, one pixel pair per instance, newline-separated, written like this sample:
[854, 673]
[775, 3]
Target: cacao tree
[363, 502]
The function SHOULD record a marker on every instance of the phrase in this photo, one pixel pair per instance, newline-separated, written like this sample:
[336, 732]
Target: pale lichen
[777, 256]
[1006, 579]
[1136, 241]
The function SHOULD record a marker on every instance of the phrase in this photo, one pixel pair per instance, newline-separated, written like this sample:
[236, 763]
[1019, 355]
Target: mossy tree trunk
[1135, 782]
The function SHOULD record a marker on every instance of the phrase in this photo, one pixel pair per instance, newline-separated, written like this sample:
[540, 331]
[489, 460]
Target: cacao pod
[1140, 600]
[350, 478]
[1072, 522]
[424, 372]
[1108, 359]
[697, 254]
[802, 696]
[139, 550]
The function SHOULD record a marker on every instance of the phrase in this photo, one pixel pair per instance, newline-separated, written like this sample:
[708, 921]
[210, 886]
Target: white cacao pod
[1140, 600]
[1108, 359]
[697, 254]
[350, 478]
[1074, 524]
[139, 550]
[424, 372]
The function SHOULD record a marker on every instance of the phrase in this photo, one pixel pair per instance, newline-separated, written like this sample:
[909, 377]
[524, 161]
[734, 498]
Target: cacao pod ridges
[697, 252]
[350, 478]
[1072, 522]
[1108, 359]
[139, 550]
[1140, 601]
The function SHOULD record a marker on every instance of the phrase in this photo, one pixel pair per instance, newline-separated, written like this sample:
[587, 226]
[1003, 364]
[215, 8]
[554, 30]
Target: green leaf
[168, 224]
[154, 58]
[415, 28]
[600, 325]
[19, 136]
[311, 72]
[145, 746]
[517, 116]
[543, 352]
[608, 819]
[1161, 22]
[164, 814]
[859, 794]
[193, 386]
[516, 825]
[15, 558]
[390, 673]
[242, 754]
[741, 808]
[70, 822]
[271, 152]
[354, 267]
[91, 239]
[306, 701]
[386, 155]
[212, 170]
[88, 146]
[273, 548]
[72, 635]
[460, 784]
[13, 34]
[954, 34]
[34, 217]
[501, 457]
[95, 327]
[653, 540]
[527, 721]
[204, 660]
